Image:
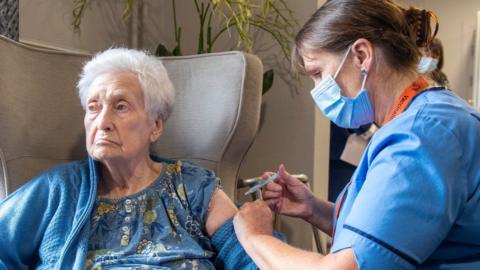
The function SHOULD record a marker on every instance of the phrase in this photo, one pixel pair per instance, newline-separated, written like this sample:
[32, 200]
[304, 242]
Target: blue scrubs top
[414, 200]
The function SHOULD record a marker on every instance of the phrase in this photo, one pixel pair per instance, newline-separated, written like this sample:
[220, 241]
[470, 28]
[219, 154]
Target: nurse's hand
[288, 195]
[253, 218]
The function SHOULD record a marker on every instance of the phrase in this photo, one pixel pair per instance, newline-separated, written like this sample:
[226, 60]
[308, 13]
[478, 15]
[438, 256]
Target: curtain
[9, 18]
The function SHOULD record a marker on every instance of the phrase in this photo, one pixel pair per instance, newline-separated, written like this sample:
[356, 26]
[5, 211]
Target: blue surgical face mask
[343, 111]
[427, 64]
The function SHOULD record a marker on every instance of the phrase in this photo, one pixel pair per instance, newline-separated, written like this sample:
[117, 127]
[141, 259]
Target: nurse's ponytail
[422, 26]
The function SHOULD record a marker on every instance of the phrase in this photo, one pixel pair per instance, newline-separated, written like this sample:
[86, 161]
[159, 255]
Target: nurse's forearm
[321, 216]
[270, 253]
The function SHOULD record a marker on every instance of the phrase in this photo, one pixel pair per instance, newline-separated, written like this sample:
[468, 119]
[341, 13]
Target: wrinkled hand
[253, 218]
[288, 195]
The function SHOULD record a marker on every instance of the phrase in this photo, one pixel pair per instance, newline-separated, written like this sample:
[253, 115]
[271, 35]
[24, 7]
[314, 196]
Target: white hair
[152, 75]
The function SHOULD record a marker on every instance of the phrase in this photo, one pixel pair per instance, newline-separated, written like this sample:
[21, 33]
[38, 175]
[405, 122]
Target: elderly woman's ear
[157, 130]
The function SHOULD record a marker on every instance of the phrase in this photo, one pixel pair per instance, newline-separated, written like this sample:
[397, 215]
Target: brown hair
[436, 51]
[398, 32]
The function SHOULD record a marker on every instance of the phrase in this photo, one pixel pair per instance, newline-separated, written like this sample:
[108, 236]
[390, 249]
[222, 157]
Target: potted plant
[242, 17]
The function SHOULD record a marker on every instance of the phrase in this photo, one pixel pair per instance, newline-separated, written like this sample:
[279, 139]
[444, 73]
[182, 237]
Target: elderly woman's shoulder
[194, 182]
[76, 167]
[189, 168]
[67, 177]
[66, 173]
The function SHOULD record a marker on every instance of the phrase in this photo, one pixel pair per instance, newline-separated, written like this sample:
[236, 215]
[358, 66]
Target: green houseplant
[219, 17]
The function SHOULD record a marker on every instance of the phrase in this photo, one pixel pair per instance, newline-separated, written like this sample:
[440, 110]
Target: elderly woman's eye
[121, 107]
[92, 107]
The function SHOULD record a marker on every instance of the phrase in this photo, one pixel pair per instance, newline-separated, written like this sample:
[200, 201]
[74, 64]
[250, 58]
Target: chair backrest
[214, 120]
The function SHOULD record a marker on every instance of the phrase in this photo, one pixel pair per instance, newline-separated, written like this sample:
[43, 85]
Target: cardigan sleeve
[23, 220]
[230, 253]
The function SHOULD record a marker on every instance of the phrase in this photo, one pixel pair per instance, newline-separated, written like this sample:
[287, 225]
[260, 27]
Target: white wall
[48, 23]
[457, 32]
[289, 119]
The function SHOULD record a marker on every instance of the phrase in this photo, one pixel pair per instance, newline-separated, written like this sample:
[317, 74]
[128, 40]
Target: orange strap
[406, 97]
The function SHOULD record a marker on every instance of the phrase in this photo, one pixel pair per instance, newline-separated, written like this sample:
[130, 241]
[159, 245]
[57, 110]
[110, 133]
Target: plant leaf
[79, 7]
[267, 81]
[162, 50]
[176, 51]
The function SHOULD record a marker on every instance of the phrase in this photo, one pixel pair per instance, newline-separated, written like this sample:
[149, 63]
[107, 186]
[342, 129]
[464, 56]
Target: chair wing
[214, 121]
[216, 113]
[41, 120]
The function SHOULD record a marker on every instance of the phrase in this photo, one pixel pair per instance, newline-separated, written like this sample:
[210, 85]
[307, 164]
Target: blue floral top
[161, 227]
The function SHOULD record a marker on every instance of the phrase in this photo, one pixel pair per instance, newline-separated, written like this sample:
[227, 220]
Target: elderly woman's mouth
[106, 142]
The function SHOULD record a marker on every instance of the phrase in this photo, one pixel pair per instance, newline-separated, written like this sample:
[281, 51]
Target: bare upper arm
[344, 260]
[221, 208]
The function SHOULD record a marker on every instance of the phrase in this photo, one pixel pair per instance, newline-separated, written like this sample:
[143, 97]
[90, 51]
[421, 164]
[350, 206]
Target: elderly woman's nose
[104, 119]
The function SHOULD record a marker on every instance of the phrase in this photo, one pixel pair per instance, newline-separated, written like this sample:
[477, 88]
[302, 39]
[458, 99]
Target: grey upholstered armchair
[214, 121]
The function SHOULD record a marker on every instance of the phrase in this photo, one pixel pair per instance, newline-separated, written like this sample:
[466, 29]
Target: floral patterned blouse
[161, 227]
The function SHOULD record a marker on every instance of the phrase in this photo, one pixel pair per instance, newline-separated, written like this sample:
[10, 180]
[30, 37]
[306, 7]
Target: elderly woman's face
[116, 123]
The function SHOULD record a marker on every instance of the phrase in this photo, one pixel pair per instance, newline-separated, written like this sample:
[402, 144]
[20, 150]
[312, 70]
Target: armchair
[214, 121]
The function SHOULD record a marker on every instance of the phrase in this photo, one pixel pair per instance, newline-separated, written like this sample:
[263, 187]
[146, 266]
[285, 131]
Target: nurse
[414, 200]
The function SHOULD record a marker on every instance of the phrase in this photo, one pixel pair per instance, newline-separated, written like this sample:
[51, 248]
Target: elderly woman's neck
[120, 179]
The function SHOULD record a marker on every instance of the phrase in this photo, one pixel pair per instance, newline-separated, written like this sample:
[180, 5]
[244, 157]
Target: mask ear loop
[343, 61]
[365, 75]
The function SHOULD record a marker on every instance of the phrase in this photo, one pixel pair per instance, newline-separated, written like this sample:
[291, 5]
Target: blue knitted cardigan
[45, 223]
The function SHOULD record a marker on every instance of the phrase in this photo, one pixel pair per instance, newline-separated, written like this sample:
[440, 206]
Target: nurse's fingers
[266, 175]
[286, 178]
[274, 187]
[267, 194]
[273, 204]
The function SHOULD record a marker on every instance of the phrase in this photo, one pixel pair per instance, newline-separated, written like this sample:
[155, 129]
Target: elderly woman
[122, 208]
